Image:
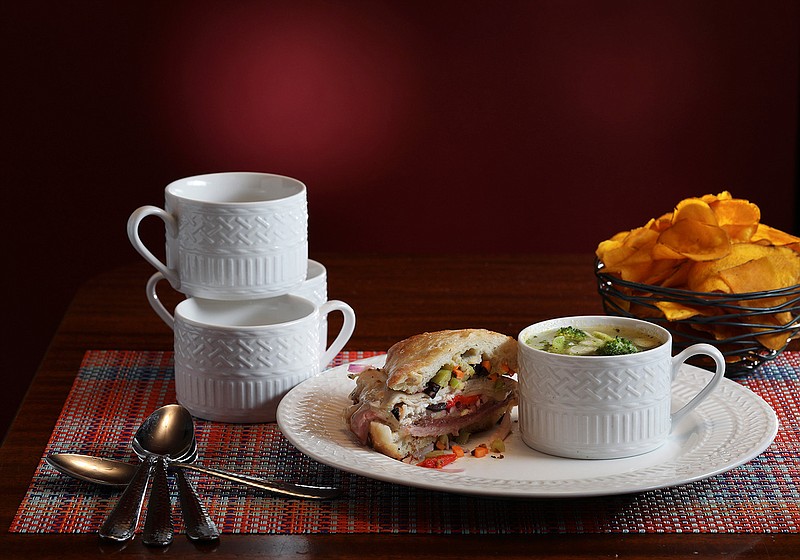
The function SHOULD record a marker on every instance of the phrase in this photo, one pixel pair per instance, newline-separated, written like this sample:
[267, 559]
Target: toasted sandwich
[435, 387]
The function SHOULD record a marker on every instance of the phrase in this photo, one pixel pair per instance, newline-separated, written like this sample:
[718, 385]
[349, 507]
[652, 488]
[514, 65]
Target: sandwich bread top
[413, 362]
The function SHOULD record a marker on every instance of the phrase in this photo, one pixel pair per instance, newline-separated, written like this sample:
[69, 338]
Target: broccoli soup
[595, 341]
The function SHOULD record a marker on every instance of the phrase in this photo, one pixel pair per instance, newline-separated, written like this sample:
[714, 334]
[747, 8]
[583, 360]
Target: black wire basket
[736, 315]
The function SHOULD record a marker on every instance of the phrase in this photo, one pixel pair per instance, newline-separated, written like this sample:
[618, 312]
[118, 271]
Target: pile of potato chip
[712, 244]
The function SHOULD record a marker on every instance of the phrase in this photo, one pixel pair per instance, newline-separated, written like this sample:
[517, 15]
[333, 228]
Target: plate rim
[431, 478]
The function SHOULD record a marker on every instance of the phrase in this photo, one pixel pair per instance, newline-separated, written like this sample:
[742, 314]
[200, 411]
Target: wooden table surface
[394, 297]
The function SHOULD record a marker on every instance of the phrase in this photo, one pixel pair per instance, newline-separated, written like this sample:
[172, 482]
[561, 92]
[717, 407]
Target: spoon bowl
[168, 432]
[106, 472]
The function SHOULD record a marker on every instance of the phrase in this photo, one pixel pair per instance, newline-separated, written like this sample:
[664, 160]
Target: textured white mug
[315, 289]
[231, 236]
[603, 407]
[235, 360]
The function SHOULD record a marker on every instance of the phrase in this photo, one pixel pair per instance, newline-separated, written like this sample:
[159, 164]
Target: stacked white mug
[254, 322]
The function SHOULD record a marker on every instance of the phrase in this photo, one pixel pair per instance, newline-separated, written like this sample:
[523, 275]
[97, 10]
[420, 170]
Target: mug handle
[155, 303]
[172, 230]
[348, 326]
[678, 360]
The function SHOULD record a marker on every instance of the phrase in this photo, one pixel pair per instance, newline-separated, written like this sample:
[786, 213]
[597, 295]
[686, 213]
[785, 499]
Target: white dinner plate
[731, 427]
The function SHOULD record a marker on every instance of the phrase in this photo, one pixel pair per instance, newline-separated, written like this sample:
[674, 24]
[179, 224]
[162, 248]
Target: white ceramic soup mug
[603, 407]
[231, 236]
[235, 360]
[315, 289]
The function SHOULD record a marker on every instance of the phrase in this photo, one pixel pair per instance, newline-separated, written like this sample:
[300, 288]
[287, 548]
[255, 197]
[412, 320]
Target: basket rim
[679, 291]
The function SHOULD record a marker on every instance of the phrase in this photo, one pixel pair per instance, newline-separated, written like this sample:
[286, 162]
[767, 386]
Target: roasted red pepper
[438, 461]
[462, 401]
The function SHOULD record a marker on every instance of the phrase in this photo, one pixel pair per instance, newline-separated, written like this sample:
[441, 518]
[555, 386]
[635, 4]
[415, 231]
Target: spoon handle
[278, 487]
[120, 525]
[199, 526]
[158, 528]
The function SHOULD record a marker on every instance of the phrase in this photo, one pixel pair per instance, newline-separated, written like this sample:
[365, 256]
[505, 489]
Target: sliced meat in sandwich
[446, 384]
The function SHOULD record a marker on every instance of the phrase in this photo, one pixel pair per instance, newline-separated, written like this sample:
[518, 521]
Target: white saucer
[731, 427]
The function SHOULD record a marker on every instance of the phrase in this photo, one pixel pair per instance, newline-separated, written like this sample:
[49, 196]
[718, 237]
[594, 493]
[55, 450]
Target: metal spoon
[199, 525]
[121, 523]
[158, 526]
[106, 472]
[167, 436]
[109, 472]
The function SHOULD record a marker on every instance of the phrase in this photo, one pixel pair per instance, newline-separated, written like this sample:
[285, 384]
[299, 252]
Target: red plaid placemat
[116, 390]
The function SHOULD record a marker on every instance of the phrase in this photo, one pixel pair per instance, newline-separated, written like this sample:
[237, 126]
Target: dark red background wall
[432, 126]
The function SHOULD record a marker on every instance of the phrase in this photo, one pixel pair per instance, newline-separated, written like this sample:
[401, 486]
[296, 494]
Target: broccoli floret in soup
[617, 346]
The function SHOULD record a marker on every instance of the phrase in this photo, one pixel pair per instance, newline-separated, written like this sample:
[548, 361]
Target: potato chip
[629, 257]
[778, 269]
[766, 235]
[661, 251]
[709, 198]
[643, 311]
[676, 311]
[739, 218]
[719, 331]
[706, 276]
[694, 209]
[714, 245]
[679, 276]
[696, 240]
[773, 341]
[771, 323]
[661, 223]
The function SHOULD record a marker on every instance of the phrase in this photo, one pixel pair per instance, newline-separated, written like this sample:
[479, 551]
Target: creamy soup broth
[593, 341]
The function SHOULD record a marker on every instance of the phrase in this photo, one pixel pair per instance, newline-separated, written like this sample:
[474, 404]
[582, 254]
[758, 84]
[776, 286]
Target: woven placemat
[115, 390]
